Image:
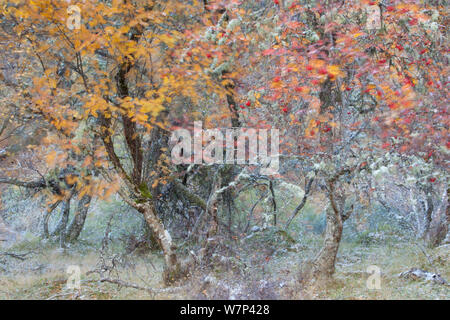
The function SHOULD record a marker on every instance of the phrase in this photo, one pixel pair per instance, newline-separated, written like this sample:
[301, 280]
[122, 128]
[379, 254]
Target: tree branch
[25, 184]
[302, 204]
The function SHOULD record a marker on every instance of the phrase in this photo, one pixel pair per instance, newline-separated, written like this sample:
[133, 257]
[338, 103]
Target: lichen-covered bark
[62, 224]
[323, 265]
[211, 208]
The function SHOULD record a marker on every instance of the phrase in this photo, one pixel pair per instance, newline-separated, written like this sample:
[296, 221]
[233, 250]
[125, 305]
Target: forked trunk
[62, 223]
[77, 224]
[323, 266]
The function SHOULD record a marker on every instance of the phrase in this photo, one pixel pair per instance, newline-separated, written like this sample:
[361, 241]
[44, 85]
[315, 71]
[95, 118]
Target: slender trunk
[428, 215]
[211, 210]
[45, 232]
[302, 204]
[447, 213]
[274, 203]
[228, 198]
[211, 240]
[63, 223]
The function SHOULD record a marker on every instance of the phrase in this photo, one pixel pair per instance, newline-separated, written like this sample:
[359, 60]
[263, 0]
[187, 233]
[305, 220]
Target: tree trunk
[211, 218]
[324, 263]
[61, 228]
[274, 203]
[46, 233]
[211, 236]
[172, 270]
[428, 208]
[323, 266]
[77, 223]
[438, 228]
[302, 204]
[62, 223]
[447, 214]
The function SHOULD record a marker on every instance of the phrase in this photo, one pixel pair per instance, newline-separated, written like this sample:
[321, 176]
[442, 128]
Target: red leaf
[323, 71]
[412, 22]
[268, 52]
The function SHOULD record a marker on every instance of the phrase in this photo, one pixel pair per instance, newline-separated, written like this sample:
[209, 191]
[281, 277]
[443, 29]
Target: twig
[308, 184]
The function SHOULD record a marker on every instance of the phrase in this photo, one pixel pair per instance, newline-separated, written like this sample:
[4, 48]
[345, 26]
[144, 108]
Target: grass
[43, 275]
[265, 266]
[350, 279]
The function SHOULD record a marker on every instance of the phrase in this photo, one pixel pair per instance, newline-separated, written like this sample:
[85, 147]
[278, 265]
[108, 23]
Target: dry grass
[350, 279]
[43, 276]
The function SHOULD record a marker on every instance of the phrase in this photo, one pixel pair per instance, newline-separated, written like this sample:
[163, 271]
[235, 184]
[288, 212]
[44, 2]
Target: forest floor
[253, 272]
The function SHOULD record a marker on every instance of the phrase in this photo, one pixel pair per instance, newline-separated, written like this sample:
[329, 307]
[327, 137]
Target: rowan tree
[345, 92]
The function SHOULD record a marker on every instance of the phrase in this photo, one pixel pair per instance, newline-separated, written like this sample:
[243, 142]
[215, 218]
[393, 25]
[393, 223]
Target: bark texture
[77, 223]
[323, 265]
[172, 270]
